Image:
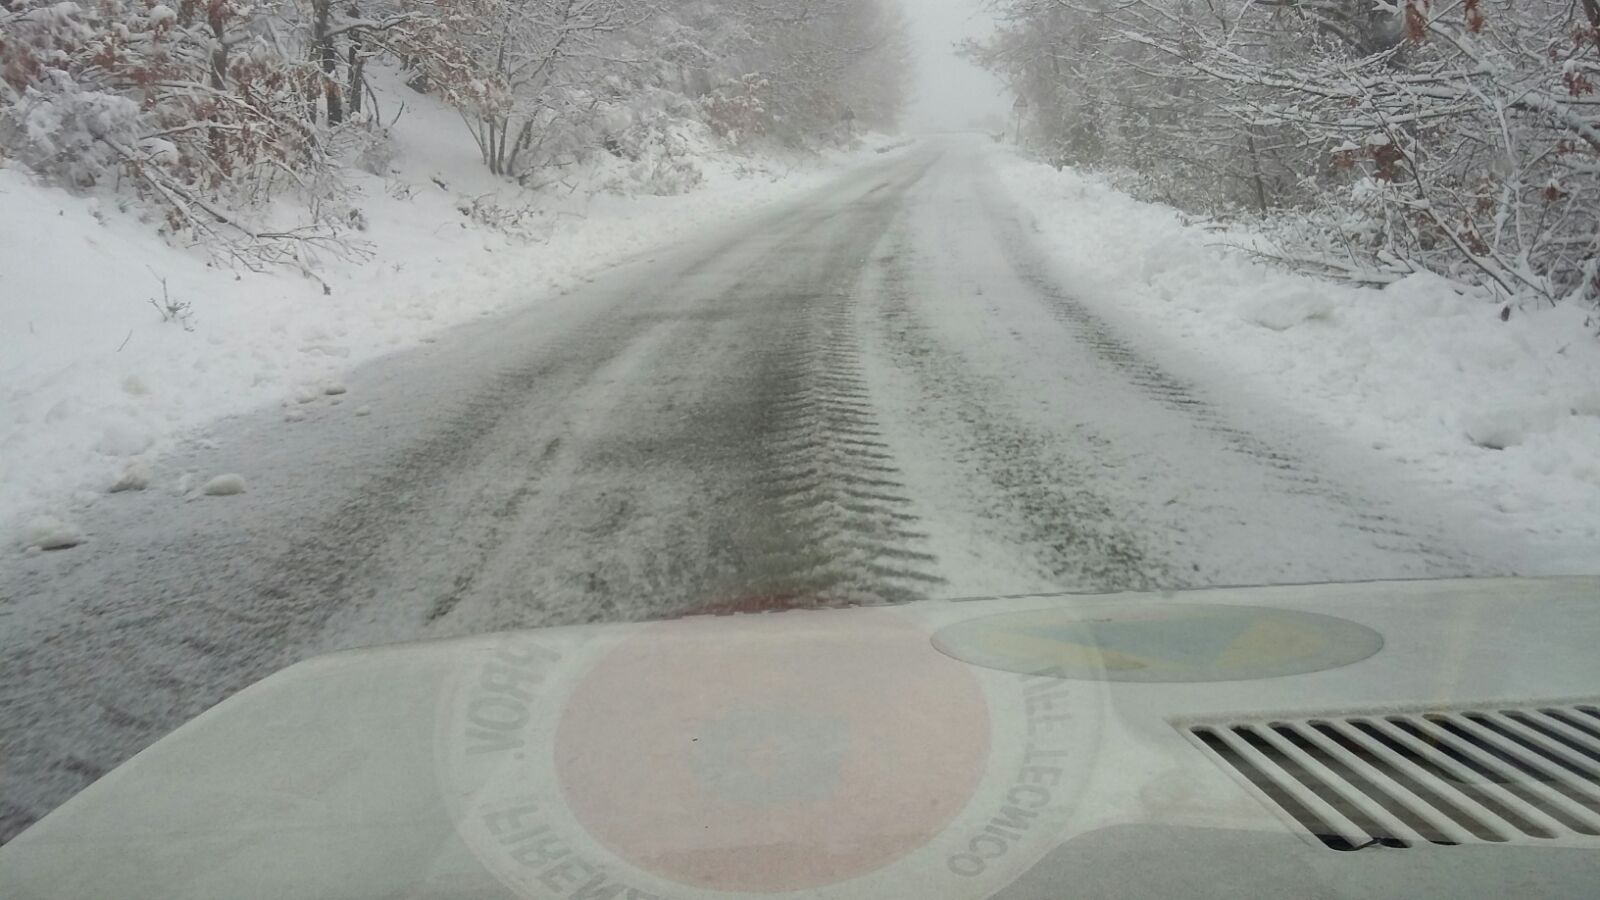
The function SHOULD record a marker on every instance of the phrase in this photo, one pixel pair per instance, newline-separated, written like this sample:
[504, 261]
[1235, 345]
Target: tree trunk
[219, 53]
[323, 51]
[524, 141]
[1255, 172]
[357, 64]
[218, 74]
[491, 145]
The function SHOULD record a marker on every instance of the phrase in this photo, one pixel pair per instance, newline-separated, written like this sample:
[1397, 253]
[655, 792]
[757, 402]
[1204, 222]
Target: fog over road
[878, 394]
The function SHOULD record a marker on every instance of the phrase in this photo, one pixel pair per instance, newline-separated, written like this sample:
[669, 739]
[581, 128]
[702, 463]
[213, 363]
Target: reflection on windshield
[797, 447]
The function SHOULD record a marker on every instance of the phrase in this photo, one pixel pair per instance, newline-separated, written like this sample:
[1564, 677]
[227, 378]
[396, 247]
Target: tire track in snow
[730, 456]
[830, 472]
[829, 520]
[1042, 499]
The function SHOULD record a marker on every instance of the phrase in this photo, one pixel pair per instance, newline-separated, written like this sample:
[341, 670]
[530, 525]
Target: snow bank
[224, 486]
[93, 380]
[1504, 415]
[50, 533]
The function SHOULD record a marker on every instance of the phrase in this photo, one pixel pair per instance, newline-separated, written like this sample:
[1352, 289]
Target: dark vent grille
[1479, 776]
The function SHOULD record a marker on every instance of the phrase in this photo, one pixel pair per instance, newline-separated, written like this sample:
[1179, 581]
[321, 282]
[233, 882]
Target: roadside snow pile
[224, 486]
[98, 375]
[1281, 312]
[135, 477]
[50, 533]
[1503, 414]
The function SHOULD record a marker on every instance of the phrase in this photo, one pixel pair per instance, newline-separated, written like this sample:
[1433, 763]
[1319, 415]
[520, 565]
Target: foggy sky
[951, 93]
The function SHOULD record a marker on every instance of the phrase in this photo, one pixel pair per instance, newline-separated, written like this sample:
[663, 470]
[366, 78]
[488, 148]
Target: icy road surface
[877, 394]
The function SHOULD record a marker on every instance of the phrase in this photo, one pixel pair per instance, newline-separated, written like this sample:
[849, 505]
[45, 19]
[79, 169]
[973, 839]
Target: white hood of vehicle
[1418, 738]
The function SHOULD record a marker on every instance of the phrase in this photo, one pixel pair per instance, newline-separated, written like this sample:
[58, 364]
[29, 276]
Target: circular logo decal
[1161, 644]
[834, 754]
[743, 756]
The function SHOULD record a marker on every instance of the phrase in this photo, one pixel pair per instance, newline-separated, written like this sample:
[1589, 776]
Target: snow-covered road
[877, 393]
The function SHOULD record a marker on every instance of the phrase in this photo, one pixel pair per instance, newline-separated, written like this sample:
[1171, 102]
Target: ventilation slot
[1482, 776]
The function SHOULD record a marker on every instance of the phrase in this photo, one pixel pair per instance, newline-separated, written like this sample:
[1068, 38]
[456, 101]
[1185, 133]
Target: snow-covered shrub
[668, 175]
[525, 75]
[59, 125]
[374, 150]
[737, 111]
[196, 108]
[656, 142]
[517, 220]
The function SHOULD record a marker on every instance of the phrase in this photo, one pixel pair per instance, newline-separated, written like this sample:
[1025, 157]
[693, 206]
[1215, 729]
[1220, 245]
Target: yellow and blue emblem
[1179, 643]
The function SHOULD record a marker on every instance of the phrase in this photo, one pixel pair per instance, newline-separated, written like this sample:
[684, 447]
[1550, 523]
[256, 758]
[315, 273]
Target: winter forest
[213, 110]
[1456, 136]
[1373, 139]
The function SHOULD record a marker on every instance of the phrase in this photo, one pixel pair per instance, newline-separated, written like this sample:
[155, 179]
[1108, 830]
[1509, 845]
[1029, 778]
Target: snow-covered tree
[1460, 137]
[194, 105]
[213, 108]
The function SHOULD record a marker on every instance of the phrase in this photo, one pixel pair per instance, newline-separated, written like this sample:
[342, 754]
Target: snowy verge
[1503, 416]
[113, 343]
